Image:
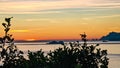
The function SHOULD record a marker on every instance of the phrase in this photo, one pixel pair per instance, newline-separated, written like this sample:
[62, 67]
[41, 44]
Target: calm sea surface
[112, 47]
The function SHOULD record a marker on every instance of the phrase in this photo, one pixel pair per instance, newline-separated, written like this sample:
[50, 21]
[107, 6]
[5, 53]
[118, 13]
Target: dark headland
[111, 36]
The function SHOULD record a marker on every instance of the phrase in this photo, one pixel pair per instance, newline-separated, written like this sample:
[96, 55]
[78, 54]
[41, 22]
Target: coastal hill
[112, 36]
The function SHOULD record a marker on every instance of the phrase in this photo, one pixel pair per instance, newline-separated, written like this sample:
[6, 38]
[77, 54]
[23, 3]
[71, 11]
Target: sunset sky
[60, 19]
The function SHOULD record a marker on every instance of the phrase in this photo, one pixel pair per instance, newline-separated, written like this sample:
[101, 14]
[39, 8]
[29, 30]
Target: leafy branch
[10, 55]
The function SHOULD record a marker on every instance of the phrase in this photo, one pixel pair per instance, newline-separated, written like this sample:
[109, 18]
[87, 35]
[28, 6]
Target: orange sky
[60, 19]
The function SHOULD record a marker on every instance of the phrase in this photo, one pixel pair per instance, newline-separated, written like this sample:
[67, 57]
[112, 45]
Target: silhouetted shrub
[10, 55]
[78, 56]
[37, 59]
[63, 58]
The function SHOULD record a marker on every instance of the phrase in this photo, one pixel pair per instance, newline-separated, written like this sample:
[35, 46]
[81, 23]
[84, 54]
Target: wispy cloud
[10, 6]
[31, 12]
[108, 16]
[20, 31]
[28, 0]
[100, 17]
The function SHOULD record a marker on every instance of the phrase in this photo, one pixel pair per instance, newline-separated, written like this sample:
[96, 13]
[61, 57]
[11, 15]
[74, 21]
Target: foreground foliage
[72, 55]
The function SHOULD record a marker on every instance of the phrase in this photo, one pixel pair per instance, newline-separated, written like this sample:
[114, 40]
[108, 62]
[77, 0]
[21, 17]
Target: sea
[113, 48]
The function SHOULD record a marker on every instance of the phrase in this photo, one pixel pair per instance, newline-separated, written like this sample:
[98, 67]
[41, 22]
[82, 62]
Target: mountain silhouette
[112, 36]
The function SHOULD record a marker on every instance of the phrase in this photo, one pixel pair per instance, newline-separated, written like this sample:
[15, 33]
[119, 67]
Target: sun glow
[30, 39]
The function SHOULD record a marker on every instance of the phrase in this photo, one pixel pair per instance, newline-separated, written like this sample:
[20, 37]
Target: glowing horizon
[60, 19]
